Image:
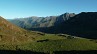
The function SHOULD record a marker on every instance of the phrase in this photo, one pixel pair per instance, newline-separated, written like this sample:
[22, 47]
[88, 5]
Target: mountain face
[64, 17]
[83, 24]
[10, 33]
[40, 22]
[34, 22]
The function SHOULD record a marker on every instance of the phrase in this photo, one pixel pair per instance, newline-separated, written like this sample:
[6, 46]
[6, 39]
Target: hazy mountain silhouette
[38, 22]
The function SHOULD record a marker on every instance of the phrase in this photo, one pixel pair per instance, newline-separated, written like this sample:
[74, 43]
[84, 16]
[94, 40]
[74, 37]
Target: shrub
[70, 37]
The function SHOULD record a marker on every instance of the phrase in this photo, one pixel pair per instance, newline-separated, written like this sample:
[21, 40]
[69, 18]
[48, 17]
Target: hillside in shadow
[82, 25]
[57, 52]
[77, 52]
[18, 52]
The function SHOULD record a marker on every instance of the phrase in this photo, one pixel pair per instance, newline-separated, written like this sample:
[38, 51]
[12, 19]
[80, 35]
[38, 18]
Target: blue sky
[25, 8]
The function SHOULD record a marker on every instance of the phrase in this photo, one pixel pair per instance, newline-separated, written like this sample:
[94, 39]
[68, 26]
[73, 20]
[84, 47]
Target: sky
[10, 9]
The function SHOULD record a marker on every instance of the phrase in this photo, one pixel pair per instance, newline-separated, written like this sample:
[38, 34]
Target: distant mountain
[10, 33]
[64, 17]
[39, 22]
[83, 24]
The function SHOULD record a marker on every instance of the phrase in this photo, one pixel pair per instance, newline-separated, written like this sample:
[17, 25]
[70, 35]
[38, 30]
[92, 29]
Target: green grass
[61, 45]
[55, 43]
[50, 36]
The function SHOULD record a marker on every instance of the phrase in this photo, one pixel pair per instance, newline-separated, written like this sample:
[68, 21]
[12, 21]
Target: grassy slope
[55, 43]
[62, 45]
[12, 34]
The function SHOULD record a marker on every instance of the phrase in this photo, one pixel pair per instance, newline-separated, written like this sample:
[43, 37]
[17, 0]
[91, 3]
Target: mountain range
[83, 24]
[36, 22]
[68, 31]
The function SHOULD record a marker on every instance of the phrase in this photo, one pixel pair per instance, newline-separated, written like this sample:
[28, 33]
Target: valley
[48, 26]
[52, 43]
[59, 37]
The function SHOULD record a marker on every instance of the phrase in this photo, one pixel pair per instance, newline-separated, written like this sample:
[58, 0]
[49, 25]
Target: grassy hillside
[50, 43]
[13, 34]
[61, 44]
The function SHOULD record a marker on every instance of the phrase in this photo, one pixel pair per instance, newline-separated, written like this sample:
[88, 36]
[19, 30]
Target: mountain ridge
[35, 22]
[82, 24]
